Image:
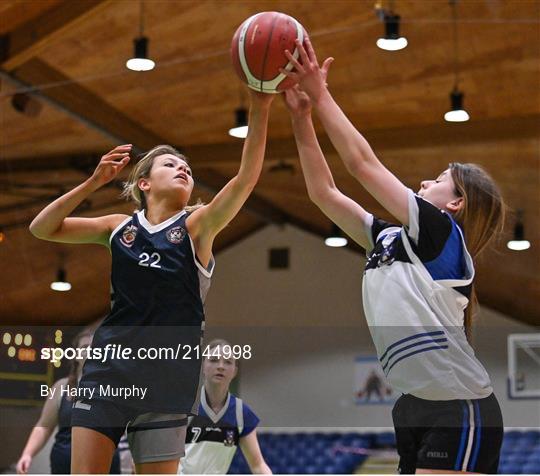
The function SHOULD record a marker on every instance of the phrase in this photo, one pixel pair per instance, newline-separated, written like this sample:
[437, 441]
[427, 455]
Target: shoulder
[114, 220]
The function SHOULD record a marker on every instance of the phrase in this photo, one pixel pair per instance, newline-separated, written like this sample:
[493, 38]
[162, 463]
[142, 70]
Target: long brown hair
[142, 170]
[481, 217]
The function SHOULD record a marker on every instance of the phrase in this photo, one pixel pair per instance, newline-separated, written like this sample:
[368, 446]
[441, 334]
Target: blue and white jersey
[158, 291]
[416, 286]
[212, 439]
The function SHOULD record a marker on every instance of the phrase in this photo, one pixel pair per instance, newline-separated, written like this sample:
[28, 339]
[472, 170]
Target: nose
[425, 184]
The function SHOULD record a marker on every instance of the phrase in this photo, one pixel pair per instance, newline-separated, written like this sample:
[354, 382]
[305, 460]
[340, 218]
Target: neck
[216, 396]
[159, 211]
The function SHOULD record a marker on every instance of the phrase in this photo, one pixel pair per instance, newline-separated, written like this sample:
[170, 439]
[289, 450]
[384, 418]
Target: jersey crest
[176, 235]
[129, 235]
[229, 438]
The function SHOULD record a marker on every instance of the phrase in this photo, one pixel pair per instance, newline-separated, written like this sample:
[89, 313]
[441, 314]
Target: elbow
[320, 196]
[33, 228]
[356, 167]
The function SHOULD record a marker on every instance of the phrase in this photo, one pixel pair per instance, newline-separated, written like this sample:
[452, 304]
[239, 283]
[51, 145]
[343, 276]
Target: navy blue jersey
[158, 290]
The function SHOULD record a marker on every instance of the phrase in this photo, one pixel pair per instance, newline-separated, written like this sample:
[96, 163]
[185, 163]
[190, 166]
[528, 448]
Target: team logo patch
[229, 438]
[176, 235]
[128, 236]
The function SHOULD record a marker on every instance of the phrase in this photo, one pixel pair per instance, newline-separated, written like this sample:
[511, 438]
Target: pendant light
[140, 60]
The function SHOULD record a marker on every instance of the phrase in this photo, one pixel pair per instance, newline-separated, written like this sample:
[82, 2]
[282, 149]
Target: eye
[169, 164]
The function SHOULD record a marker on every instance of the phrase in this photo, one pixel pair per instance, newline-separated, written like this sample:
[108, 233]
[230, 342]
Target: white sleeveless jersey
[212, 438]
[416, 287]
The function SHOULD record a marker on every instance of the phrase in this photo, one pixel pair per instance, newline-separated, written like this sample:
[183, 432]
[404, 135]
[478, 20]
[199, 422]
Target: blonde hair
[220, 343]
[481, 217]
[142, 169]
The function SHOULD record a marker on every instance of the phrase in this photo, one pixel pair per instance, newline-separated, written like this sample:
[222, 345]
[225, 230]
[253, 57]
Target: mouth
[219, 376]
[181, 176]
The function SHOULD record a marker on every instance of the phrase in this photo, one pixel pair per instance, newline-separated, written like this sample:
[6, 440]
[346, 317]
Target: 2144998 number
[218, 352]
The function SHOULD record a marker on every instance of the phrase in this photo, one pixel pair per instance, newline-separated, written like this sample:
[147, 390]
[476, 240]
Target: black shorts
[453, 435]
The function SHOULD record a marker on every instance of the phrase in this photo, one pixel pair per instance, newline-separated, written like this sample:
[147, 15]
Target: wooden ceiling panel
[52, 132]
[396, 99]
[17, 12]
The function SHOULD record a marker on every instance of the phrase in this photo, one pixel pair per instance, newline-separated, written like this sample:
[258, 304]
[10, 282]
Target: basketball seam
[266, 51]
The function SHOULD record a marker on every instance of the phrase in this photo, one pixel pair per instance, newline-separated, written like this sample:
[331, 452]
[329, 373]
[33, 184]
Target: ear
[455, 205]
[143, 184]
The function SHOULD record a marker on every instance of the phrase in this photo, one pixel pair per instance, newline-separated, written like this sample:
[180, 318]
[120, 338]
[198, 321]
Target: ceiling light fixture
[457, 113]
[519, 243]
[336, 238]
[140, 60]
[240, 129]
[391, 41]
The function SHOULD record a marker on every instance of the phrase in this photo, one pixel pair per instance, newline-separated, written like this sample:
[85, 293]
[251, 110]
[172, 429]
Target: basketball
[258, 50]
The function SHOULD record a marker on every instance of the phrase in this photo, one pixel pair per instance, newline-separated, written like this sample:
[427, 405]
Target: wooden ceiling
[70, 56]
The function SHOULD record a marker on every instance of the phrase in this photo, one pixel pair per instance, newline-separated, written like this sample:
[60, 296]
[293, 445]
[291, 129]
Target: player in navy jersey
[417, 285]
[57, 412]
[161, 268]
[224, 422]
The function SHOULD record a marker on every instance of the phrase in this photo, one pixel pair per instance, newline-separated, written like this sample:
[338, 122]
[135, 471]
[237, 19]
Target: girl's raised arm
[53, 224]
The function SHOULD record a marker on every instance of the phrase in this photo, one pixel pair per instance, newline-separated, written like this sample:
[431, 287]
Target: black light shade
[241, 117]
[519, 231]
[391, 26]
[456, 99]
[519, 243]
[456, 113]
[141, 47]
[61, 283]
[240, 129]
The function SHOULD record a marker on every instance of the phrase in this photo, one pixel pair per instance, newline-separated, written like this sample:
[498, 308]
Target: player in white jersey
[224, 421]
[161, 267]
[417, 286]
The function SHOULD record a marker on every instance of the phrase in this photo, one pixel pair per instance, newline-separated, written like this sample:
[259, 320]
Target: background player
[161, 268]
[224, 421]
[417, 287]
[57, 412]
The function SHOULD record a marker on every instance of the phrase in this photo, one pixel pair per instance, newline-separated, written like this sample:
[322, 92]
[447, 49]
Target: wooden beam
[26, 41]
[432, 135]
[83, 105]
[90, 109]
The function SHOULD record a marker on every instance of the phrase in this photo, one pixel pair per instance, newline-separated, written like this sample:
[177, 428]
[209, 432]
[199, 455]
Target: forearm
[51, 217]
[261, 468]
[352, 147]
[254, 147]
[316, 172]
[36, 440]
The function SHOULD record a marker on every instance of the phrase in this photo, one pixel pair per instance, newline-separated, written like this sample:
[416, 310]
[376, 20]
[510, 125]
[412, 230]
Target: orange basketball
[258, 50]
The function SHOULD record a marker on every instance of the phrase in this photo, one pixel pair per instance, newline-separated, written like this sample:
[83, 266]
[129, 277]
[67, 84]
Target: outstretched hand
[309, 75]
[111, 164]
[297, 101]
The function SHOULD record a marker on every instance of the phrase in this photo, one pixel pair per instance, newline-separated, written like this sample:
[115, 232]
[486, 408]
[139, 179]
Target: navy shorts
[453, 435]
[152, 437]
